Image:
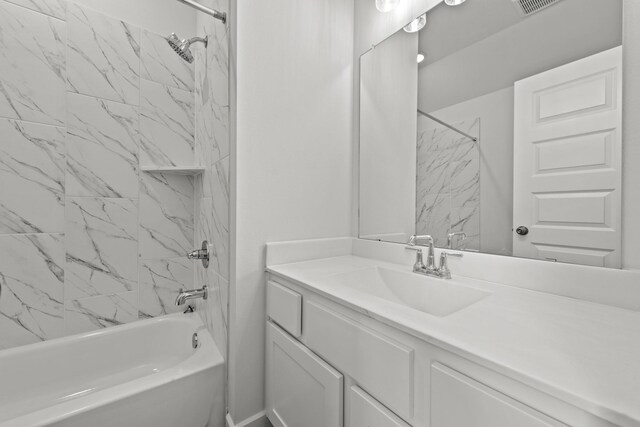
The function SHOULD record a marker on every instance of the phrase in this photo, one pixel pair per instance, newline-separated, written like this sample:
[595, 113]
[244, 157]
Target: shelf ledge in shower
[176, 170]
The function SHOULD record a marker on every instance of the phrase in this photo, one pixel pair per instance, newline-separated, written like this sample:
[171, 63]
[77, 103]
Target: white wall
[388, 103]
[536, 44]
[292, 177]
[631, 136]
[159, 16]
[495, 111]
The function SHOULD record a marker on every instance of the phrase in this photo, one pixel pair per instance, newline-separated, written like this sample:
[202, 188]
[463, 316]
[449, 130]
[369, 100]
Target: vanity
[355, 338]
[493, 132]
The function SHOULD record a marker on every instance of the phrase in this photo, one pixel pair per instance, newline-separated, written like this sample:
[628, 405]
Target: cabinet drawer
[301, 389]
[458, 400]
[381, 365]
[284, 307]
[366, 411]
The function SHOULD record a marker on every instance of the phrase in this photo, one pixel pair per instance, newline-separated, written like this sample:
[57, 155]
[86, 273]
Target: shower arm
[218, 15]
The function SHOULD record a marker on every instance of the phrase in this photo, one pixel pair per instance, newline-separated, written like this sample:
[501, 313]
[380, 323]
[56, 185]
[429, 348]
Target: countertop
[584, 353]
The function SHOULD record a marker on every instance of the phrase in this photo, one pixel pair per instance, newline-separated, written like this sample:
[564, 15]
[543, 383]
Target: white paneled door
[567, 162]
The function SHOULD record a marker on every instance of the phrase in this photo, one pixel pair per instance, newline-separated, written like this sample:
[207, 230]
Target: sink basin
[431, 295]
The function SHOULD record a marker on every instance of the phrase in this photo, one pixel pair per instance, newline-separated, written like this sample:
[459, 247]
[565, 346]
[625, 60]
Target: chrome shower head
[181, 47]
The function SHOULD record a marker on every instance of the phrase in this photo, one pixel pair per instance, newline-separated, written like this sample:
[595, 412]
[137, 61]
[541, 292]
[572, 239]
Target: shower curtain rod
[218, 15]
[473, 138]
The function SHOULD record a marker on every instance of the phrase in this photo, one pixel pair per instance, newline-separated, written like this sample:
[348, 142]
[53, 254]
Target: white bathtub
[146, 373]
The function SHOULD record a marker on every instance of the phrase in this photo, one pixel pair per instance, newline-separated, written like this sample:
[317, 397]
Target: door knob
[522, 230]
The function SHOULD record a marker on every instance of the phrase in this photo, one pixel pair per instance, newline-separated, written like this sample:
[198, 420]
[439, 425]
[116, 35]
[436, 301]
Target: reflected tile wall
[448, 182]
[32, 66]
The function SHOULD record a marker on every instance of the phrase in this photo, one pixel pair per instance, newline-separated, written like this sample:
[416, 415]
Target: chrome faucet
[452, 236]
[201, 254]
[430, 269]
[184, 296]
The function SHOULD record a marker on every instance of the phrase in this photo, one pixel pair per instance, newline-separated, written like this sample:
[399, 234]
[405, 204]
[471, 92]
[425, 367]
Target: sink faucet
[184, 296]
[452, 236]
[430, 269]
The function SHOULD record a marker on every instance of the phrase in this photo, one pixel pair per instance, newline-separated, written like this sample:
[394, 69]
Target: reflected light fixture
[417, 24]
[386, 5]
[420, 58]
[454, 2]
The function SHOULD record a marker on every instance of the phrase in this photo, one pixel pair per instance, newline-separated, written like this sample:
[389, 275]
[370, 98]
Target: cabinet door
[457, 400]
[367, 412]
[302, 390]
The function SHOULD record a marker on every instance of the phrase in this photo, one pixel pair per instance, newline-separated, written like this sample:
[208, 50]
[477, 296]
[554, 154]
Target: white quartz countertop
[584, 353]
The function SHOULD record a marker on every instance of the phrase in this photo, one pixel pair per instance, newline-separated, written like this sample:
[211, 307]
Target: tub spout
[184, 296]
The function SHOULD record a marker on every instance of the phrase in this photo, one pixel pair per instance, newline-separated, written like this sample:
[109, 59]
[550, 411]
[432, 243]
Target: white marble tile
[166, 216]
[214, 309]
[217, 54]
[159, 63]
[54, 8]
[166, 125]
[448, 182]
[213, 225]
[31, 178]
[102, 148]
[160, 284]
[103, 56]
[31, 277]
[88, 314]
[102, 247]
[32, 66]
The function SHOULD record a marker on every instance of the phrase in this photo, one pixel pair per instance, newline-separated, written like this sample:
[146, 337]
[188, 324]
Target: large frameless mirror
[497, 128]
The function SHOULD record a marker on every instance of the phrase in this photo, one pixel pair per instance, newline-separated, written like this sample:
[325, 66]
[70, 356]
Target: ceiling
[479, 18]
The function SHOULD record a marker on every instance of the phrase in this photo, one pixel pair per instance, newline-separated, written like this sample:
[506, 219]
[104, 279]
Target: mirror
[505, 138]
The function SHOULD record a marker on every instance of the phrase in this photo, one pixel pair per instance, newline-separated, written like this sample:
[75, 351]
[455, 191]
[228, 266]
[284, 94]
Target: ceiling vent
[529, 7]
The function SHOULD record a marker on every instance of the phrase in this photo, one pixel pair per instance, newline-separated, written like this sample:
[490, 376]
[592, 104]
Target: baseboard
[257, 420]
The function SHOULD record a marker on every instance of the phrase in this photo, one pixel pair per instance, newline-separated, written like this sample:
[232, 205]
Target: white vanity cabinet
[331, 365]
[457, 400]
[302, 390]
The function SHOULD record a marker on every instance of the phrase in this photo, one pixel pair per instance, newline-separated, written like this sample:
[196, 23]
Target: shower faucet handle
[201, 254]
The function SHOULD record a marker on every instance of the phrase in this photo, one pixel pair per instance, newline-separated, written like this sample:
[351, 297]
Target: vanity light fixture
[420, 58]
[386, 5]
[454, 2]
[417, 24]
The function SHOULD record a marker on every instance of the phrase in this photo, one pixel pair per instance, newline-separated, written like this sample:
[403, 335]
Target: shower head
[181, 47]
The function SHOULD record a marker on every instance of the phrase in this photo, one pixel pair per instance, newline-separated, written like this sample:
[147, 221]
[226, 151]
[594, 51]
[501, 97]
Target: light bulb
[386, 5]
[420, 58]
[454, 2]
[417, 24]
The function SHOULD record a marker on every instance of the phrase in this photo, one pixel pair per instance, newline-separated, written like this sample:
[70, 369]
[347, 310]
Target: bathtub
[146, 373]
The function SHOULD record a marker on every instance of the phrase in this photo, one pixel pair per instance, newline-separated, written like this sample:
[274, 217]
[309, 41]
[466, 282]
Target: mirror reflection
[497, 128]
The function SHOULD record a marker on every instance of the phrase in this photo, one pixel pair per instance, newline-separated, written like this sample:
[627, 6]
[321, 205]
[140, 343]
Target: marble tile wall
[88, 240]
[448, 182]
[212, 152]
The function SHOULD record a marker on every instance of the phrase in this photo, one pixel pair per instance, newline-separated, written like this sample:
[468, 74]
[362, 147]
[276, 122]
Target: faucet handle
[445, 273]
[419, 264]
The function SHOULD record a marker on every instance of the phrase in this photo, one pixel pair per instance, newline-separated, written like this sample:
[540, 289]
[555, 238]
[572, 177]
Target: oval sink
[431, 295]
